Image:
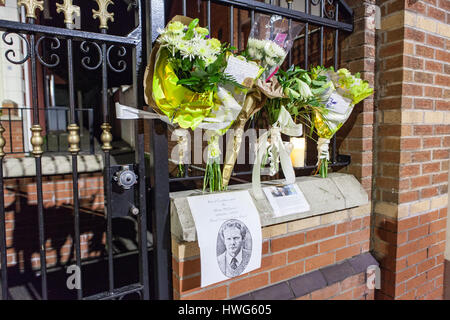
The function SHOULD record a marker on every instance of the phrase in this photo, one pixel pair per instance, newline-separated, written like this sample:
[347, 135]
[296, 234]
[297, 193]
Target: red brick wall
[358, 55]
[289, 250]
[412, 149]
[13, 136]
[22, 238]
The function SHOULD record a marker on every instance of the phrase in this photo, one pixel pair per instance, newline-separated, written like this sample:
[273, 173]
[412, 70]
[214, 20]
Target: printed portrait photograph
[282, 191]
[234, 247]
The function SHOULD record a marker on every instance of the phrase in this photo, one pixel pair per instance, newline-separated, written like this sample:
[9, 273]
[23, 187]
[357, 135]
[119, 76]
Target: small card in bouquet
[245, 73]
[286, 200]
[338, 103]
[242, 70]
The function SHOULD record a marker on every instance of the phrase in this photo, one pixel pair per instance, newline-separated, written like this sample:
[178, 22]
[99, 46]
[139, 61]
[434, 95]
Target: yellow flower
[214, 44]
[176, 27]
[202, 31]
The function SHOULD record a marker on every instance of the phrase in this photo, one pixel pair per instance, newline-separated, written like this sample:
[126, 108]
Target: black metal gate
[127, 186]
[124, 185]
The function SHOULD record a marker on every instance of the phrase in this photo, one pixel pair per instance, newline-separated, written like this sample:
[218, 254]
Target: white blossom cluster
[199, 46]
[267, 52]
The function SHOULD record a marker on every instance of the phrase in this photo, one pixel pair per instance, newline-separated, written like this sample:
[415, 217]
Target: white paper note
[228, 234]
[241, 70]
[338, 103]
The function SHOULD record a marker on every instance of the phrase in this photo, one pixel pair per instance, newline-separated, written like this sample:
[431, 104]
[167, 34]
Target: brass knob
[70, 11]
[102, 13]
[31, 6]
[2, 141]
[37, 140]
[73, 138]
[106, 137]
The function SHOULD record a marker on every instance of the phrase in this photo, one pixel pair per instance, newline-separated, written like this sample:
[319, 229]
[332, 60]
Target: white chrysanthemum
[203, 51]
[188, 52]
[258, 55]
[169, 40]
[252, 52]
[255, 43]
[255, 54]
[270, 61]
[273, 50]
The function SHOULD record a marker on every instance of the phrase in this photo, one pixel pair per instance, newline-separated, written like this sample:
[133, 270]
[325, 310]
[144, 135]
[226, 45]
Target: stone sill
[337, 192]
[55, 165]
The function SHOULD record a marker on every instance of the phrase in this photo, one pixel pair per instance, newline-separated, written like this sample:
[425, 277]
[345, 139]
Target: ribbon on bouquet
[323, 149]
[182, 143]
[278, 149]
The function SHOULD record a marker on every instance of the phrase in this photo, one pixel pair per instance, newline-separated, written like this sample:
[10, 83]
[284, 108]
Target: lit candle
[298, 152]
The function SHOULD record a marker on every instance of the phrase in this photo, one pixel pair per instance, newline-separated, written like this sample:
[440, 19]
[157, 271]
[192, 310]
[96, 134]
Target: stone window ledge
[337, 192]
[51, 165]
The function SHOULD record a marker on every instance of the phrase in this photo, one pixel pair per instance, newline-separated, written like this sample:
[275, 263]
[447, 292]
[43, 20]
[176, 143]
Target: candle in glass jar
[298, 152]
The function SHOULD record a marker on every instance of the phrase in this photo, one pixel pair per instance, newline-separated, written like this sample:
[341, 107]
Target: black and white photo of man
[234, 244]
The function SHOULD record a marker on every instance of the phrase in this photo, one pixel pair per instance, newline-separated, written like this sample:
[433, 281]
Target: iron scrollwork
[55, 44]
[121, 63]
[329, 7]
[85, 47]
[10, 54]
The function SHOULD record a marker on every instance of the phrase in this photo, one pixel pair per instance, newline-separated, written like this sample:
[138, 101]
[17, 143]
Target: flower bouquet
[337, 97]
[269, 42]
[185, 82]
[284, 113]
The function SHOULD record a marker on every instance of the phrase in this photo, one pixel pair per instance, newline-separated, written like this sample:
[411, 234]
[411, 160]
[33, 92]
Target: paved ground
[447, 280]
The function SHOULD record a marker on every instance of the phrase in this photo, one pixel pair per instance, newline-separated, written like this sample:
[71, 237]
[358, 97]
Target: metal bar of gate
[307, 9]
[66, 33]
[74, 148]
[37, 142]
[106, 138]
[287, 13]
[3, 252]
[159, 176]
[232, 25]
[208, 14]
[336, 64]
[321, 33]
[140, 159]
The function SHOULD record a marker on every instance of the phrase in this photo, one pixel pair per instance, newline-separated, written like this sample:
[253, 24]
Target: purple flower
[207, 37]
[185, 29]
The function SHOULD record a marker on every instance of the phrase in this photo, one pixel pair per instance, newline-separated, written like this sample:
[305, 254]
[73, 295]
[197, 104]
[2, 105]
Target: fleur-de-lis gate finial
[70, 11]
[31, 6]
[102, 13]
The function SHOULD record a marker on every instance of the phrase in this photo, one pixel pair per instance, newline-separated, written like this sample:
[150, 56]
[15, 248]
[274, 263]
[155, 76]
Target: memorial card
[286, 200]
[228, 233]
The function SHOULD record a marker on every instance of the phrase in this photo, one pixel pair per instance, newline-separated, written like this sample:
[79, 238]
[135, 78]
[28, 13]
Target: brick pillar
[358, 55]
[411, 153]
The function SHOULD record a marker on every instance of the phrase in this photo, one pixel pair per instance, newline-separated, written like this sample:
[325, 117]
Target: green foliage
[196, 76]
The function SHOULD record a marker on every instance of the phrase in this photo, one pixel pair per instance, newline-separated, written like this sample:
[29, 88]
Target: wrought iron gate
[96, 49]
[130, 189]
